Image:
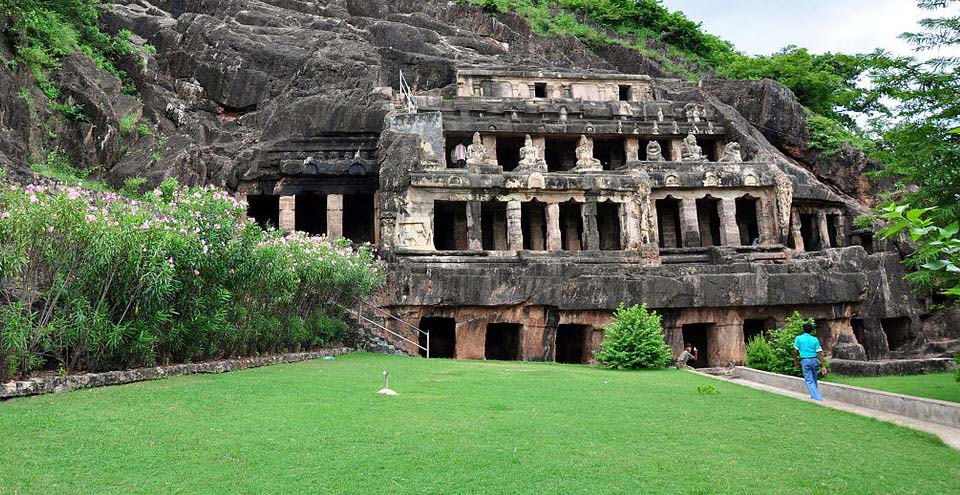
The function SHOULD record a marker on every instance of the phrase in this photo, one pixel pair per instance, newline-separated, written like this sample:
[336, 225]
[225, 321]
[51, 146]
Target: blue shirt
[807, 344]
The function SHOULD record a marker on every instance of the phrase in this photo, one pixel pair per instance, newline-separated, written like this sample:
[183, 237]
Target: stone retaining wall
[892, 367]
[55, 384]
[930, 410]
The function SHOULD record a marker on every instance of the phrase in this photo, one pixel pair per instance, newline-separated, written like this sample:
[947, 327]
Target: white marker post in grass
[386, 386]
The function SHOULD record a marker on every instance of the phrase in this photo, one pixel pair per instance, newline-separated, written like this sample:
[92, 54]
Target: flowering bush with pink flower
[94, 281]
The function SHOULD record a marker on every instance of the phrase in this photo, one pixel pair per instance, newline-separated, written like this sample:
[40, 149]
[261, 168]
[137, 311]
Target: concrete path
[950, 436]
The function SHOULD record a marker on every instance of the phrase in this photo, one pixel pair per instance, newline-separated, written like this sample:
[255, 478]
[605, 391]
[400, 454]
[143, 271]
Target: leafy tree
[634, 340]
[774, 353]
[936, 257]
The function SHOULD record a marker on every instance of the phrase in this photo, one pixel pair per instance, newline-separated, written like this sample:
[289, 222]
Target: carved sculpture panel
[585, 160]
[731, 153]
[654, 152]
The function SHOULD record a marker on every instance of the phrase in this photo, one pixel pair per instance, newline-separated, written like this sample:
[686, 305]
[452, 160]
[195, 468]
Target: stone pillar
[676, 150]
[825, 241]
[841, 231]
[376, 218]
[288, 213]
[474, 228]
[689, 224]
[631, 224]
[591, 234]
[553, 227]
[490, 143]
[726, 345]
[334, 215]
[795, 231]
[631, 148]
[728, 219]
[514, 229]
[537, 242]
[471, 336]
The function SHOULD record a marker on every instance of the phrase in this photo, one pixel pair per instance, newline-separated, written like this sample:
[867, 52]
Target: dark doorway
[533, 224]
[608, 225]
[450, 225]
[698, 335]
[753, 328]
[265, 209]
[572, 343]
[443, 336]
[502, 341]
[897, 331]
[668, 223]
[571, 226]
[709, 147]
[560, 154]
[747, 220]
[833, 230]
[859, 331]
[540, 90]
[865, 240]
[666, 149]
[493, 225]
[624, 92]
[810, 232]
[311, 213]
[609, 152]
[508, 152]
[358, 217]
[708, 216]
[451, 141]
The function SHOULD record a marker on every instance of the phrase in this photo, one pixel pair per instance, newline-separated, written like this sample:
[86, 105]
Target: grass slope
[457, 427]
[941, 386]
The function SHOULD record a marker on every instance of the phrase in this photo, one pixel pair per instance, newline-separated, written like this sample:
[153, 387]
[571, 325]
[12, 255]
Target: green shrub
[775, 352]
[956, 357]
[634, 340]
[96, 281]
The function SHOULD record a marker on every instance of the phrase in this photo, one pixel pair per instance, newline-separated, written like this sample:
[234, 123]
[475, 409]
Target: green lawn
[942, 386]
[457, 427]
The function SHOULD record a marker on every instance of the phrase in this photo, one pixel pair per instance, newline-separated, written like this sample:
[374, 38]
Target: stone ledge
[929, 410]
[892, 366]
[56, 384]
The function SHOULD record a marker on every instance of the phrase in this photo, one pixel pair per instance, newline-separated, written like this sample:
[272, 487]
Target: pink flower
[5, 214]
[33, 199]
[73, 194]
[196, 272]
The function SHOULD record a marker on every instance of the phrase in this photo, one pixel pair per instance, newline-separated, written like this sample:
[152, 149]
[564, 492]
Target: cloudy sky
[849, 26]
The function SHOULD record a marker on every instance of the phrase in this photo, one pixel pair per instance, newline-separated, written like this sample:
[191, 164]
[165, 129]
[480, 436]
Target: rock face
[299, 107]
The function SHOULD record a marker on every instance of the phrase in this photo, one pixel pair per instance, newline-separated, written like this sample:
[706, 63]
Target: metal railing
[406, 94]
[362, 318]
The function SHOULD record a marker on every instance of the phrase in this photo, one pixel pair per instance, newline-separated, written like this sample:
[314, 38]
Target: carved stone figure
[654, 152]
[731, 153]
[477, 153]
[656, 128]
[710, 129]
[644, 188]
[659, 115]
[784, 191]
[585, 160]
[690, 151]
[694, 112]
[530, 160]
[694, 129]
[619, 127]
[563, 114]
[710, 179]
[676, 128]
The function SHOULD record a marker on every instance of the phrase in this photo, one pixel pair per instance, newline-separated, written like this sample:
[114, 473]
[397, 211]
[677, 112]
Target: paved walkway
[950, 436]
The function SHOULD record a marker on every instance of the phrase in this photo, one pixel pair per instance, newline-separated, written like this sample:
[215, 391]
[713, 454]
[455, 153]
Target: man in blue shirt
[807, 348]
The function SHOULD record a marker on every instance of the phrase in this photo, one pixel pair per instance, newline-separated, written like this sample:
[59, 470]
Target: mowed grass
[457, 427]
[941, 386]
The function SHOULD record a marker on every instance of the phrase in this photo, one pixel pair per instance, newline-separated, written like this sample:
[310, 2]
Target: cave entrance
[450, 225]
[450, 142]
[810, 232]
[358, 217]
[502, 341]
[609, 152]
[508, 151]
[493, 225]
[533, 224]
[572, 343]
[310, 215]
[709, 147]
[264, 209]
[747, 220]
[668, 223]
[571, 226]
[833, 230]
[608, 225]
[708, 217]
[897, 331]
[540, 90]
[560, 154]
[698, 335]
[624, 92]
[443, 336]
[753, 328]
